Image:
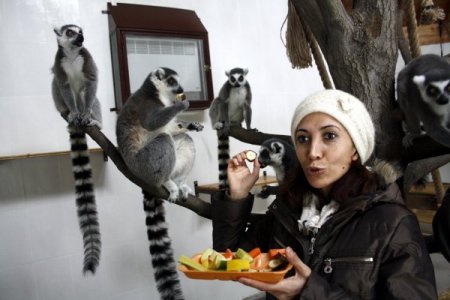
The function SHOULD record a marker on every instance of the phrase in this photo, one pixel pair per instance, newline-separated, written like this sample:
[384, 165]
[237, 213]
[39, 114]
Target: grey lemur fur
[74, 88]
[156, 148]
[423, 94]
[231, 107]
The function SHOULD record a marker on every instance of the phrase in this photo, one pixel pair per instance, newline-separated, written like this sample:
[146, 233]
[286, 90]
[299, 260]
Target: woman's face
[324, 149]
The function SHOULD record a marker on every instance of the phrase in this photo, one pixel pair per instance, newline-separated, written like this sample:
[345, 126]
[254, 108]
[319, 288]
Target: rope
[318, 58]
[300, 43]
[411, 25]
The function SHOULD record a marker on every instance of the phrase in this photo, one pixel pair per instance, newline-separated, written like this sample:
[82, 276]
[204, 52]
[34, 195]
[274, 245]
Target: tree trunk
[361, 50]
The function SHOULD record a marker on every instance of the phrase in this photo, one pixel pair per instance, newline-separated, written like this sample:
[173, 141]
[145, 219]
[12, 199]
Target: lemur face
[435, 93]
[69, 36]
[439, 91]
[237, 77]
[271, 153]
[167, 83]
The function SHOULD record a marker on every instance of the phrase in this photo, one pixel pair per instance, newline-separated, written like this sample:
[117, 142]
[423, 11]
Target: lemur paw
[195, 126]
[74, 118]
[85, 119]
[218, 126]
[185, 190]
[96, 123]
[173, 197]
[266, 191]
[407, 140]
[185, 104]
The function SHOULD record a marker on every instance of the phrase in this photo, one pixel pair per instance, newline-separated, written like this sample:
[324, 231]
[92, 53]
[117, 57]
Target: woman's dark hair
[357, 181]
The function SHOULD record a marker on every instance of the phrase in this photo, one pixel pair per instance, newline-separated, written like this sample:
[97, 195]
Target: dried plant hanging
[297, 44]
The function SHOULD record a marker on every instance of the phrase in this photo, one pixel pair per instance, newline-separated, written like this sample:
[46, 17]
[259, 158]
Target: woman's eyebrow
[321, 128]
[330, 126]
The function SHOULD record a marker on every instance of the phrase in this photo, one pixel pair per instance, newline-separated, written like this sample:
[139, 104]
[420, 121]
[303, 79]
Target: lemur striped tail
[85, 200]
[164, 265]
[223, 157]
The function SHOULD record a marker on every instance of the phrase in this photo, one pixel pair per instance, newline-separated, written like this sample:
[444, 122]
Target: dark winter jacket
[370, 249]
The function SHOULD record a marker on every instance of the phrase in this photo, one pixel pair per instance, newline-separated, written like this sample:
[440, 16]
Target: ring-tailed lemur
[280, 155]
[231, 107]
[156, 149]
[423, 94]
[74, 88]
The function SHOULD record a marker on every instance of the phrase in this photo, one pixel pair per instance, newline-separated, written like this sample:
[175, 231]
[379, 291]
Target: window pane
[183, 55]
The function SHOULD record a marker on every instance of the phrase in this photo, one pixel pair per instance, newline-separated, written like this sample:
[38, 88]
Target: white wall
[41, 246]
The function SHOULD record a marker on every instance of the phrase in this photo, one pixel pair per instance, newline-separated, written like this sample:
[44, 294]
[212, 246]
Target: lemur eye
[432, 91]
[233, 79]
[447, 88]
[241, 78]
[70, 33]
[171, 81]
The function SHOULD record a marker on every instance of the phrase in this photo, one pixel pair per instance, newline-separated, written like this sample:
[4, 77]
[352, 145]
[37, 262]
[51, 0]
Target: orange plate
[224, 275]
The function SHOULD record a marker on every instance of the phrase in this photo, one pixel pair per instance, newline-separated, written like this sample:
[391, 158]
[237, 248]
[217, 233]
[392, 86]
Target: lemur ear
[227, 72]
[245, 71]
[56, 31]
[159, 73]
[276, 147]
[419, 80]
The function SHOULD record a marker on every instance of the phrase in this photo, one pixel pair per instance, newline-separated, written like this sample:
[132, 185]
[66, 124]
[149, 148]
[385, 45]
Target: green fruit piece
[220, 262]
[205, 257]
[242, 254]
[188, 262]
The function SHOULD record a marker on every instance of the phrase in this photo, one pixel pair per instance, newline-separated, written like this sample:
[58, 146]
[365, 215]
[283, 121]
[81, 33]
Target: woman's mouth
[316, 171]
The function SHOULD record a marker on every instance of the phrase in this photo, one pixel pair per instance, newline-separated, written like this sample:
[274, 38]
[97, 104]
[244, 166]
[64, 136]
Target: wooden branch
[193, 203]
[254, 137]
[423, 147]
[419, 168]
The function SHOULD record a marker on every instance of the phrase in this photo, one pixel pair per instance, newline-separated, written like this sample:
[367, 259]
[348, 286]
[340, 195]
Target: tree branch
[254, 137]
[423, 147]
[193, 203]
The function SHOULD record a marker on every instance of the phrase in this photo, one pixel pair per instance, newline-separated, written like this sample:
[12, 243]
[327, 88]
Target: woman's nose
[315, 150]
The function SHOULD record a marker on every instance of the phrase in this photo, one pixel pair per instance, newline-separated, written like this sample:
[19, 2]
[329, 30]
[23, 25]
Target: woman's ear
[355, 156]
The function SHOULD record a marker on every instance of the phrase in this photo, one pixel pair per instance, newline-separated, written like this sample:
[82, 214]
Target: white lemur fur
[74, 88]
[231, 107]
[280, 155]
[156, 148]
[423, 94]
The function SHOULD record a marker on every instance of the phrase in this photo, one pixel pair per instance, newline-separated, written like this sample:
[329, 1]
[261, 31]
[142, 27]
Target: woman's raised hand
[240, 178]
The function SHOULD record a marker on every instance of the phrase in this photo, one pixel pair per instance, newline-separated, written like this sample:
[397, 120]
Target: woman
[345, 227]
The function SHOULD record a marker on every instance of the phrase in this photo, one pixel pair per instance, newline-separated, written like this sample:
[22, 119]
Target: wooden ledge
[214, 187]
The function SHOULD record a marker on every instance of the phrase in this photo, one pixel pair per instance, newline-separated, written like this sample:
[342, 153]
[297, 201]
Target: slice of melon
[188, 262]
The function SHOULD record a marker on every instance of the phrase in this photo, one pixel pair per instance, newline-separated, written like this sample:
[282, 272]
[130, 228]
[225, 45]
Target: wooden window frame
[153, 22]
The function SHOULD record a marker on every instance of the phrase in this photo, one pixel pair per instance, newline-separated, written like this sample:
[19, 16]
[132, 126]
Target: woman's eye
[330, 135]
[301, 139]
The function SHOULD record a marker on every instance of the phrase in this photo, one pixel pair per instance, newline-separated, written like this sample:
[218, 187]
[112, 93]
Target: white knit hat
[346, 109]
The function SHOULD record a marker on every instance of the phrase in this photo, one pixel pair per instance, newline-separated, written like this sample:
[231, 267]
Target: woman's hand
[287, 288]
[240, 179]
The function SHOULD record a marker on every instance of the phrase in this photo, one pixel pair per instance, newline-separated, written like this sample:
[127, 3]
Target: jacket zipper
[312, 242]
[352, 259]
